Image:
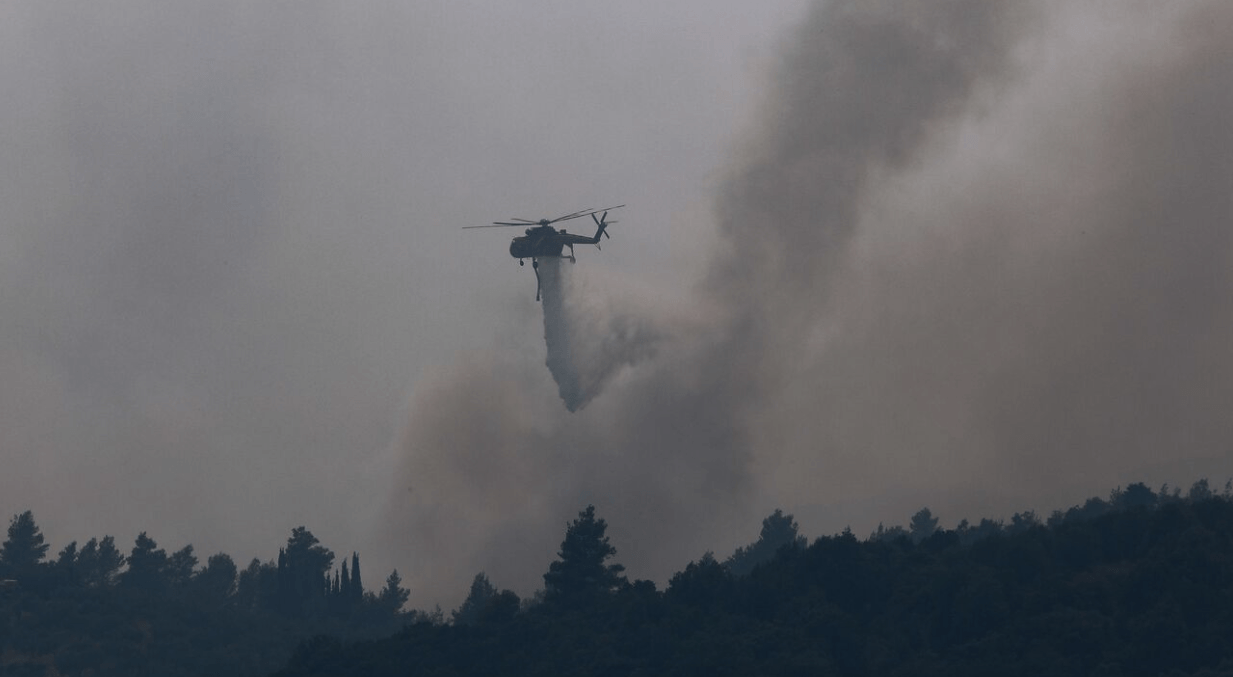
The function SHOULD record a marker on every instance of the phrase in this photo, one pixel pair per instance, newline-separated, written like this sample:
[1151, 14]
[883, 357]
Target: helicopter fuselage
[546, 241]
[543, 241]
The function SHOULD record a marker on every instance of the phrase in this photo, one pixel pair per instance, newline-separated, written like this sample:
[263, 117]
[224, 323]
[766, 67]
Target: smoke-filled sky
[965, 254]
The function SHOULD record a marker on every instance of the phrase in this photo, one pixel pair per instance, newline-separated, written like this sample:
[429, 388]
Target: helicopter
[542, 240]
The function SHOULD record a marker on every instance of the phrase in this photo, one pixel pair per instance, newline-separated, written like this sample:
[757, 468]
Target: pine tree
[217, 580]
[146, 564]
[99, 562]
[778, 530]
[66, 565]
[481, 593]
[393, 596]
[24, 549]
[178, 570]
[580, 575]
[923, 525]
[303, 572]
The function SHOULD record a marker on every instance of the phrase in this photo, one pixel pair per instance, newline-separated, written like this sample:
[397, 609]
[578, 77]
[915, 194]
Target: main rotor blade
[585, 212]
[528, 222]
[573, 215]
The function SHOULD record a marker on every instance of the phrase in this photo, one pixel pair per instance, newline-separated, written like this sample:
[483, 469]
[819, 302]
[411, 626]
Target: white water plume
[589, 341]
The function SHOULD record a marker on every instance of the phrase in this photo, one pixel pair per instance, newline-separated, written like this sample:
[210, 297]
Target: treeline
[93, 610]
[1140, 583]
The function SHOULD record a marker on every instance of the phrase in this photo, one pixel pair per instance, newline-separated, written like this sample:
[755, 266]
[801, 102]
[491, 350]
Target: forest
[93, 610]
[1140, 583]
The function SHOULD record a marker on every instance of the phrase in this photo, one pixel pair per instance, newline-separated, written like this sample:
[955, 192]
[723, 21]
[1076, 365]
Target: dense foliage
[94, 611]
[1141, 584]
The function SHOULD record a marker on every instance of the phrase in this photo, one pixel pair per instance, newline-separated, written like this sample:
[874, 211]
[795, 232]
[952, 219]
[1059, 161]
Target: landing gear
[521, 262]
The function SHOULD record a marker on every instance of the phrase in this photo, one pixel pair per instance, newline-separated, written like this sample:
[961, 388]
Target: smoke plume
[975, 254]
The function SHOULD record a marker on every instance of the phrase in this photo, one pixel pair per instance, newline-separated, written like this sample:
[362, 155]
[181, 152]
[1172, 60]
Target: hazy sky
[965, 254]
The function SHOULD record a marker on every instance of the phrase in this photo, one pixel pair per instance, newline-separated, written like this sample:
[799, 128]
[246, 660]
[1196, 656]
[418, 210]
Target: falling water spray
[590, 339]
[557, 335]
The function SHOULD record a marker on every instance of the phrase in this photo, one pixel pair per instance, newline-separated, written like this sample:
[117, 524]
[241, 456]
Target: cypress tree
[357, 585]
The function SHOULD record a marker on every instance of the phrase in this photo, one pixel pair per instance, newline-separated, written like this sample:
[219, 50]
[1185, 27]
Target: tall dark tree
[178, 570]
[357, 584]
[1133, 496]
[702, 583]
[922, 526]
[482, 591]
[778, 530]
[146, 565]
[304, 566]
[885, 535]
[1199, 491]
[393, 596]
[66, 566]
[257, 586]
[581, 575]
[1022, 521]
[24, 550]
[99, 562]
[217, 580]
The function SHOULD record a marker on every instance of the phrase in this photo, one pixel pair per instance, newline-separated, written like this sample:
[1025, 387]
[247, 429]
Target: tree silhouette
[217, 581]
[778, 530]
[923, 525]
[24, 549]
[884, 535]
[257, 586]
[500, 608]
[179, 568]
[302, 570]
[1199, 491]
[580, 575]
[393, 596]
[1134, 495]
[98, 562]
[701, 583]
[65, 565]
[146, 564]
[357, 584]
[481, 592]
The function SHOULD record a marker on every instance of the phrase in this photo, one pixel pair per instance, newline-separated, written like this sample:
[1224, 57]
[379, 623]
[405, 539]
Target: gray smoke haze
[229, 244]
[970, 255]
[973, 254]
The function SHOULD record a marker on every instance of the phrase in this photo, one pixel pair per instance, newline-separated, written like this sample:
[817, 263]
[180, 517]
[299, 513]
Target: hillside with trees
[92, 610]
[1140, 583]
